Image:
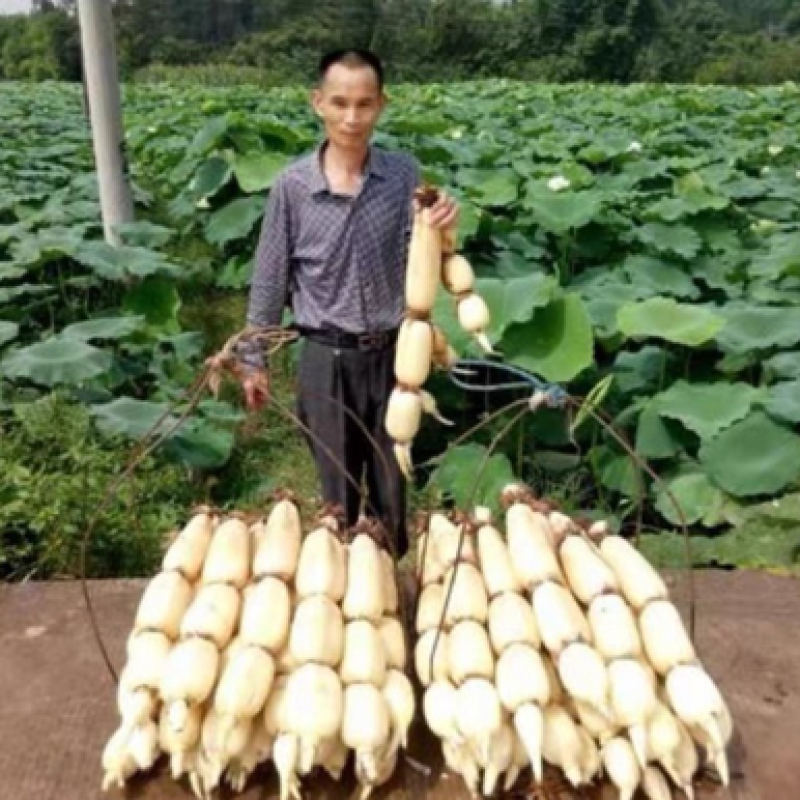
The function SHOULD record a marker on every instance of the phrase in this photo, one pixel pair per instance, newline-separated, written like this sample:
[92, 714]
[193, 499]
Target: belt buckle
[371, 341]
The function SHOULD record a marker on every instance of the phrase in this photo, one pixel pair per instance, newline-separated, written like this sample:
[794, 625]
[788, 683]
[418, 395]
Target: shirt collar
[318, 183]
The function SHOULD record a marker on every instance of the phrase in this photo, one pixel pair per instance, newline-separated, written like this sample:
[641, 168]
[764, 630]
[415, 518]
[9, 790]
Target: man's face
[349, 103]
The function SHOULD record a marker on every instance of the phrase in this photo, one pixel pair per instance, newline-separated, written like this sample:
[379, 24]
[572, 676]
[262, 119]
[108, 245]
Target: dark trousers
[362, 382]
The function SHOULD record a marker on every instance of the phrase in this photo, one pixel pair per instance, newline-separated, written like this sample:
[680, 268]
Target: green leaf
[556, 344]
[783, 256]
[707, 408]
[210, 136]
[603, 303]
[699, 499]
[664, 318]
[783, 401]
[515, 299]
[186, 346]
[220, 411]
[256, 172]
[690, 201]
[121, 263]
[641, 370]
[733, 363]
[678, 239]
[660, 277]
[758, 328]
[498, 188]
[559, 213]
[144, 234]
[158, 301]
[616, 470]
[200, 443]
[605, 147]
[103, 328]
[755, 456]
[654, 437]
[557, 462]
[235, 220]
[237, 273]
[132, 418]
[782, 210]
[591, 402]
[670, 209]
[457, 475]
[10, 293]
[213, 174]
[696, 193]
[468, 221]
[784, 365]
[57, 361]
[8, 272]
[717, 234]
[8, 332]
[762, 292]
[47, 246]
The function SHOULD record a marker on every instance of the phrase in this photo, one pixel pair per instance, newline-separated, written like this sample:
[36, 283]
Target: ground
[58, 706]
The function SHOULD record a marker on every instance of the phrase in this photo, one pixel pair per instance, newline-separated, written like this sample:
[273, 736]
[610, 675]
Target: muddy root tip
[426, 195]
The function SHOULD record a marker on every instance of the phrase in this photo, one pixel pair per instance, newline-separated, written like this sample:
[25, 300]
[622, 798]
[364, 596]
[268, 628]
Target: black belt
[374, 340]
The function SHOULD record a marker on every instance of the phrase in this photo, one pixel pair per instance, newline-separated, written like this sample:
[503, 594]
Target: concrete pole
[105, 111]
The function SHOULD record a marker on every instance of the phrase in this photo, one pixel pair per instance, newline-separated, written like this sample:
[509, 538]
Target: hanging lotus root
[431, 260]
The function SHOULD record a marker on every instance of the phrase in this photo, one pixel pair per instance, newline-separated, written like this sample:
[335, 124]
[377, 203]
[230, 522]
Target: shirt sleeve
[270, 272]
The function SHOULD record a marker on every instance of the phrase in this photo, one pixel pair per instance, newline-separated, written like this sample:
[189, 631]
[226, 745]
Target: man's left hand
[444, 212]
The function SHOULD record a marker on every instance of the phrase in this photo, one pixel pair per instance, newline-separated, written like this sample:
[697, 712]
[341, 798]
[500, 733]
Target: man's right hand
[256, 390]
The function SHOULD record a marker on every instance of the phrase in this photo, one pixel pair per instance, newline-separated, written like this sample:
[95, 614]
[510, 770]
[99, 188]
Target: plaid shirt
[341, 260]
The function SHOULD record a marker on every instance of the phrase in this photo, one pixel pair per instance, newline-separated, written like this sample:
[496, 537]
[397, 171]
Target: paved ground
[57, 701]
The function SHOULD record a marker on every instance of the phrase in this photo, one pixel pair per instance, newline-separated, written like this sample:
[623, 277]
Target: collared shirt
[340, 259]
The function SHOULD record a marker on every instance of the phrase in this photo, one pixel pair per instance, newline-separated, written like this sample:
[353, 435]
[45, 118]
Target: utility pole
[105, 112]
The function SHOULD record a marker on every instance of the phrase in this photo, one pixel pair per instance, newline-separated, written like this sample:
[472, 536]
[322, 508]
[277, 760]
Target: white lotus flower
[765, 170]
[457, 133]
[635, 147]
[558, 184]
[152, 129]
[203, 203]
[775, 149]
[797, 174]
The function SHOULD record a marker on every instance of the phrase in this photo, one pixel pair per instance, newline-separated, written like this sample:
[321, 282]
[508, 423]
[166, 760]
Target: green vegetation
[274, 42]
[56, 468]
[645, 237]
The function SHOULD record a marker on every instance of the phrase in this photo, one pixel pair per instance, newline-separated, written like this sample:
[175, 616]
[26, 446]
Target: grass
[270, 452]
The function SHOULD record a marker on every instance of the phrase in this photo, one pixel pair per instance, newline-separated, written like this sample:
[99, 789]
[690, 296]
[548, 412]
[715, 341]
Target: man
[335, 239]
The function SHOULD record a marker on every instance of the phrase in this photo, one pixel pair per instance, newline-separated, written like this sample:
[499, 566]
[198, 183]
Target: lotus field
[641, 241]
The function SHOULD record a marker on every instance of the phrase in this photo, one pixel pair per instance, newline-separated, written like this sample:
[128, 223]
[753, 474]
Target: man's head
[349, 96]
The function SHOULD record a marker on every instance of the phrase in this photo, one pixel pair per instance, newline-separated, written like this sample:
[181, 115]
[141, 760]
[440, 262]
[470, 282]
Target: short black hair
[351, 57]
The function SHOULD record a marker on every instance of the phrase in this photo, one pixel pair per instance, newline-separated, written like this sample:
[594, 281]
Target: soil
[58, 700]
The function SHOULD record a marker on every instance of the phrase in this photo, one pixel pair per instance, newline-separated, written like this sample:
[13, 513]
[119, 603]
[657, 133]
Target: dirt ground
[57, 701]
